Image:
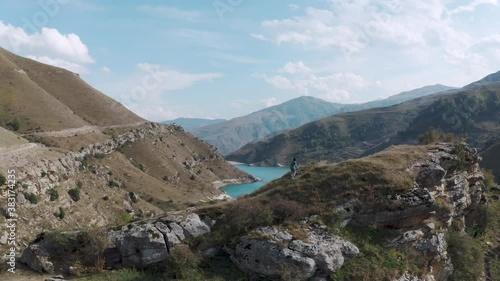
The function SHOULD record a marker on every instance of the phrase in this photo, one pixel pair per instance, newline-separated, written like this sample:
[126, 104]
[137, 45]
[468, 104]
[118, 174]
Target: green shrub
[489, 179]
[74, 193]
[99, 155]
[3, 179]
[32, 198]
[429, 137]
[54, 195]
[44, 174]
[183, 264]
[15, 124]
[466, 255]
[62, 213]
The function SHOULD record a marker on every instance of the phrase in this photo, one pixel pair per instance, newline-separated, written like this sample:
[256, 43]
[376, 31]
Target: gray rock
[430, 176]
[193, 226]
[321, 255]
[37, 257]
[269, 259]
[172, 239]
[4, 238]
[177, 230]
[138, 245]
[409, 236]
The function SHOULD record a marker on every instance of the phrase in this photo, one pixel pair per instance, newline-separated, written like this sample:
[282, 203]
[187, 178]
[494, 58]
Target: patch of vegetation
[433, 136]
[375, 261]
[467, 256]
[15, 124]
[74, 193]
[54, 195]
[99, 155]
[489, 179]
[105, 198]
[3, 179]
[184, 264]
[32, 198]
[133, 197]
[43, 174]
[114, 183]
[61, 214]
[126, 218]
[141, 167]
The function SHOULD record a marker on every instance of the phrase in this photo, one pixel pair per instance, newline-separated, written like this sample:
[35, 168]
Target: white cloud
[472, 6]
[293, 7]
[106, 69]
[331, 87]
[48, 46]
[258, 36]
[156, 78]
[74, 67]
[295, 68]
[238, 58]
[172, 13]
[269, 101]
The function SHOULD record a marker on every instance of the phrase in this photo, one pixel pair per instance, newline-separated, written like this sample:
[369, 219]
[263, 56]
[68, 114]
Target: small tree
[74, 194]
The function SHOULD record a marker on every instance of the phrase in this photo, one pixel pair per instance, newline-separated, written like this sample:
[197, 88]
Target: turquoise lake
[266, 174]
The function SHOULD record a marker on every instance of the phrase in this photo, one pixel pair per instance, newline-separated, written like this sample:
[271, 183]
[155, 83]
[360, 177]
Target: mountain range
[472, 112]
[231, 135]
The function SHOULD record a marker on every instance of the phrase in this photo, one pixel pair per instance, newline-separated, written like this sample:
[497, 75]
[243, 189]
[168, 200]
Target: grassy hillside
[47, 98]
[471, 113]
[235, 133]
[8, 139]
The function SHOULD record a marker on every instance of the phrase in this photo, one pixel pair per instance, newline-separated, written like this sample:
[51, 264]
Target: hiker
[294, 167]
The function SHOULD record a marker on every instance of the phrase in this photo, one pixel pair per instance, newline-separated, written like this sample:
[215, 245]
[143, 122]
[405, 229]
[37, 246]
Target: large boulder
[270, 252]
[137, 245]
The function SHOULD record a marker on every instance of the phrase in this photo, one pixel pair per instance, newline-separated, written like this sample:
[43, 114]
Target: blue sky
[226, 58]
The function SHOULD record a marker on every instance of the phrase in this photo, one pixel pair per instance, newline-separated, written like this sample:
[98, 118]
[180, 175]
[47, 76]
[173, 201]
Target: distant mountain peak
[493, 78]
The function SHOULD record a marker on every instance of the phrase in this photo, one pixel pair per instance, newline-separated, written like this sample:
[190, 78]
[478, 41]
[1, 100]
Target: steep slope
[470, 112]
[49, 98]
[233, 134]
[192, 123]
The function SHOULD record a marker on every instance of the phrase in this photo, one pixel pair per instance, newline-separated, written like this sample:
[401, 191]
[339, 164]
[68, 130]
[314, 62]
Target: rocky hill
[407, 213]
[233, 134]
[38, 97]
[82, 160]
[470, 112]
[190, 124]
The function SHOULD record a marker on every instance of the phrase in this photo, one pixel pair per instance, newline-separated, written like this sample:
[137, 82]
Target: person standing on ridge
[294, 167]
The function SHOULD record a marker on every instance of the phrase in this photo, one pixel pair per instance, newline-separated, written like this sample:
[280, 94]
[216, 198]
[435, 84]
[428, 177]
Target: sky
[227, 58]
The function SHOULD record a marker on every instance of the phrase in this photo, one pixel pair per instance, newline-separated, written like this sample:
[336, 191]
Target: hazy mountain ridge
[235, 133]
[471, 111]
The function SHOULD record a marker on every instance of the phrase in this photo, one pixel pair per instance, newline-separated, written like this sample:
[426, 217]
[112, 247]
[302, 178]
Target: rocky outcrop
[270, 252]
[137, 245]
[448, 187]
[39, 177]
